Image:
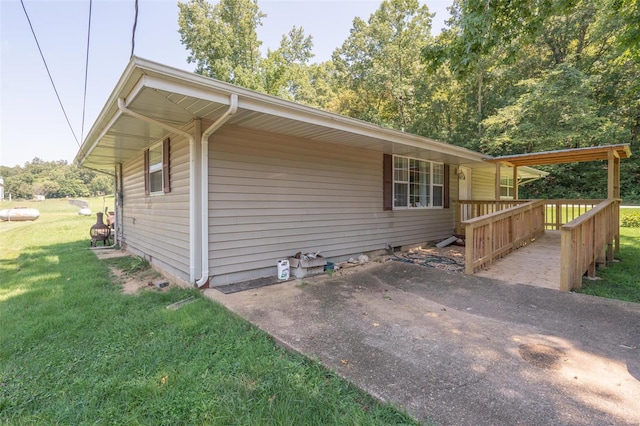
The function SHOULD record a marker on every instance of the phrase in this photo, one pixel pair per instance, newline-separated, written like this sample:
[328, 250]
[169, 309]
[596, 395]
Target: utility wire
[86, 73]
[135, 24]
[49, 73]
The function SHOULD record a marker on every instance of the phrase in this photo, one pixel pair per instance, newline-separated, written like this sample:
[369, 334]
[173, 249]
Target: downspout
[192, 191]
[204, 186]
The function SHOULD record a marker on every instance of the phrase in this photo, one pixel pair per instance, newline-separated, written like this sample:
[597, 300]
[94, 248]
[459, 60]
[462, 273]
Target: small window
[506, 187]
[417, 183]
[156, 169]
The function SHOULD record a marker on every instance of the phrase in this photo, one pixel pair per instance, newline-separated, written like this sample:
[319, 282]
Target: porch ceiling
[574, 155]
[178, 97]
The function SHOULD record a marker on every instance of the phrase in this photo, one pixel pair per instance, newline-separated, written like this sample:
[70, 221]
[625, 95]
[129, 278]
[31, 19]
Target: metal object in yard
[18, 214]
[99, 231]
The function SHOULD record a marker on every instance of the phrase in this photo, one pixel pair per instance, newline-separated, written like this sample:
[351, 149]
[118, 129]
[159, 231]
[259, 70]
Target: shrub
[630, 219]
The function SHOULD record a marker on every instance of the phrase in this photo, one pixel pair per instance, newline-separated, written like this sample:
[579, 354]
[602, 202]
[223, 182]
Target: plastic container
[283, 269]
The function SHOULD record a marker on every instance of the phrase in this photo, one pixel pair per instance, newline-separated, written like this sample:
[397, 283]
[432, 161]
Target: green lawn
[620, 280]
[75, 350]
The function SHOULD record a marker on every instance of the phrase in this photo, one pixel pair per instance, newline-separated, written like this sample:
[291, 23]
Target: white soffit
[177, 97]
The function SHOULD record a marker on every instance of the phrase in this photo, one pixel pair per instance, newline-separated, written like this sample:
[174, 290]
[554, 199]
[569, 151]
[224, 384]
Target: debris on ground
[450, 258]
[181, 303]
[446, 242]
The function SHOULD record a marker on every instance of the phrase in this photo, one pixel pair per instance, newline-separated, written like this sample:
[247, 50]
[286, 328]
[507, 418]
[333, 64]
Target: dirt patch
[141, 279]
[110, 253]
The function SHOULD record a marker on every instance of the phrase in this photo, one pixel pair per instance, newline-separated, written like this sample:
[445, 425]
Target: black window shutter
[166, 184]
[447, 198]
[146, 172]
[387, 182]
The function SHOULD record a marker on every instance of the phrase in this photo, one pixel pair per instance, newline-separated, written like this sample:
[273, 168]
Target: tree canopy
[505, 76]
[53, 179]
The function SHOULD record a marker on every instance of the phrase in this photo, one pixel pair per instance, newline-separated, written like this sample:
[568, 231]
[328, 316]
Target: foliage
[75, 350]
[543, 76]
[222, 39]
[53, 179]
[288, 74]
[505, 77]
[378, 67]
[619, 280]
[630, 218]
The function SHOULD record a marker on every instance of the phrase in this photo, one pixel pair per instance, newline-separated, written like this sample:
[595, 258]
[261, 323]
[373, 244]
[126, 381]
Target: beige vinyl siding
[272, 196]
[483, 184]
[157, 226]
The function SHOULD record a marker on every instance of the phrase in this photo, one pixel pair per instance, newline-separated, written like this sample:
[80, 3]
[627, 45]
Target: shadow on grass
[74, 349]
[51, 269]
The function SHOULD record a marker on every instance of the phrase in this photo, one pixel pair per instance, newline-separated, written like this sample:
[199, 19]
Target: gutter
[204, 186]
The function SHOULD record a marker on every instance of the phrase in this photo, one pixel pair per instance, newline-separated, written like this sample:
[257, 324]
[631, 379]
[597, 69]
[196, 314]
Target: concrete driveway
[453, 349]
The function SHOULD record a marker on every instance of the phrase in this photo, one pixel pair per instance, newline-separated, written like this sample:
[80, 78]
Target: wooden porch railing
[556, 213]
[585, 240]
[561, 212]
[470, 209]
[493, 236]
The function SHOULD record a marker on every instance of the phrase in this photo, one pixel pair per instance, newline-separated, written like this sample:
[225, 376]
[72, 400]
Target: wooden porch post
[613, 179]
[497, 181]
[515, 182]
[613, 189]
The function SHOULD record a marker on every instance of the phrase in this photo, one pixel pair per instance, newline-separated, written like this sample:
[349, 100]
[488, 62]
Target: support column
[497, 182]
[515, 182]
[613, 190]
[613, 178]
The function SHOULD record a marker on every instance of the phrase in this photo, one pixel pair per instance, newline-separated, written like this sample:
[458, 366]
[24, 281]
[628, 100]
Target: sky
[32, 123]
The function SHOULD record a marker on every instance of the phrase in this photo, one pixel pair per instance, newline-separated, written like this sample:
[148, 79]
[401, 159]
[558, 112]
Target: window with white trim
[506, 187]
[417, 183]
[155, 169]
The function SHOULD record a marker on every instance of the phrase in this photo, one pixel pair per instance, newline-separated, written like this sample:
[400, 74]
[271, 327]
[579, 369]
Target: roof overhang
[575, 155]
[177, 97]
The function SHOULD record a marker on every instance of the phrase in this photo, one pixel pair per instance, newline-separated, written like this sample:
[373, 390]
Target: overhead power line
[86, 73]
[49, 73]
[133, 33]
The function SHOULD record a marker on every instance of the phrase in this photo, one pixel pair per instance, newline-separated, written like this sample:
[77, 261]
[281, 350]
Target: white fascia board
[185, 90]
[109, 112]
[533, 173]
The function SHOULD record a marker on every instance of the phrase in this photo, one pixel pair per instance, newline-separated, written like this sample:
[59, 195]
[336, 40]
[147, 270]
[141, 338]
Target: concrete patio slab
[454, 349]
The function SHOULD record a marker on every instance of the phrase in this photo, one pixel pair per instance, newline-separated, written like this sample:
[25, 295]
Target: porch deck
[537, 264]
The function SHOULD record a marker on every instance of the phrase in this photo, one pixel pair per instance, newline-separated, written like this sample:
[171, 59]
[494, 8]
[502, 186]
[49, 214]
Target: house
[215, 183]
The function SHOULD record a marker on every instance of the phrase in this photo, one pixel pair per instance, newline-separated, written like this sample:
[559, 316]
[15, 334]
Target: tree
[222, 39]
[101, 184]
[286, 69]
[378, 67]
[539, 75]
[558, 111]
[19, 186]
[54, 179]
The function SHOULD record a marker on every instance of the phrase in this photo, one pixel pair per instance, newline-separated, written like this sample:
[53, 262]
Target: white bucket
[283, 269]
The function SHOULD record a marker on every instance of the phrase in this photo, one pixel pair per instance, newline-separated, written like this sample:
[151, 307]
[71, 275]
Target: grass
[620, 280]
[75, 350]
